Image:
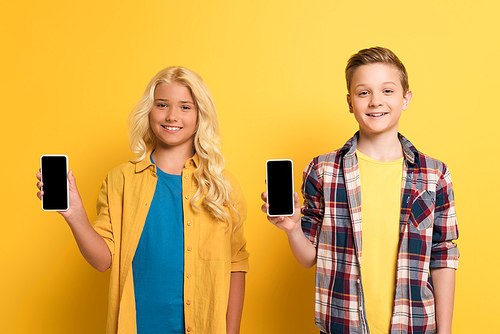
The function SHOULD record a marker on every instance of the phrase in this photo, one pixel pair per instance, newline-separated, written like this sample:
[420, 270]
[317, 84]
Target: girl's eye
[185, 107]
[161, 105]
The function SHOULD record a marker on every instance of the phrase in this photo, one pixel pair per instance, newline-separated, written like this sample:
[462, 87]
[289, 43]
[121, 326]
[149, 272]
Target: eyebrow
[166, 100]
[383, 83]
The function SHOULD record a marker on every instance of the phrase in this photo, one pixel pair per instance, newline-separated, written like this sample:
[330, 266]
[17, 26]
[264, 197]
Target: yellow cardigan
[212, 250]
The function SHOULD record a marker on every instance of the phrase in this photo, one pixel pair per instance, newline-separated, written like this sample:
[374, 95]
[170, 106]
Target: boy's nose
[375, 101]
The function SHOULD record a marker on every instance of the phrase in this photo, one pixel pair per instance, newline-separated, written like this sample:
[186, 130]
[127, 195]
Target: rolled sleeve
[444, 252]
[102, 224]
[314, 205]
[239, 254]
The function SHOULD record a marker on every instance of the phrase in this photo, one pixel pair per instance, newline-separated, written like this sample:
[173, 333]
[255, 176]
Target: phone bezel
[293, 187]
[67, 183]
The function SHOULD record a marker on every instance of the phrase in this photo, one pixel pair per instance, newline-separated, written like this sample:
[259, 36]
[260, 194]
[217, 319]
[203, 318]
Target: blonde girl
[170, 222]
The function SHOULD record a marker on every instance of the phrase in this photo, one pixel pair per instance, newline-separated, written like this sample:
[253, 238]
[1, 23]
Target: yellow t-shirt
[380, 210]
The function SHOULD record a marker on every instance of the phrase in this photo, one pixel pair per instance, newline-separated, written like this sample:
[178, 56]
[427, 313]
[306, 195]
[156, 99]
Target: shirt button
[188, 223]
[189, 329]
[188, 275]
[188, 303]
[187, 196]
[361, 308]
[186, 176]
[358, 280]
[189, 248]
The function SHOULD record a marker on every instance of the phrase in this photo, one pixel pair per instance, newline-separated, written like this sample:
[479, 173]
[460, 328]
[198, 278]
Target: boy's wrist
[296, 231]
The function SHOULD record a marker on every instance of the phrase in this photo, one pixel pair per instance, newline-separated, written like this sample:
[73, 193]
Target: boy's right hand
[288, 224]
[75, 201]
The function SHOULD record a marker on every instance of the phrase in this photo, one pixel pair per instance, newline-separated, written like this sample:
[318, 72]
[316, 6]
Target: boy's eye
[388, 91]
[363, 93]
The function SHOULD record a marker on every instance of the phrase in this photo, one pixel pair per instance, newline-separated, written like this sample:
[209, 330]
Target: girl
[170, 222]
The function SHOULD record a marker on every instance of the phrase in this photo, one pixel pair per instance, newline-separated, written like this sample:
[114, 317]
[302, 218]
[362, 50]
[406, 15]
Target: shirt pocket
[214, 239]
[422, 210]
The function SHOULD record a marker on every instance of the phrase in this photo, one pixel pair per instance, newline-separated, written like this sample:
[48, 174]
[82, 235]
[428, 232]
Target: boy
[378, 216]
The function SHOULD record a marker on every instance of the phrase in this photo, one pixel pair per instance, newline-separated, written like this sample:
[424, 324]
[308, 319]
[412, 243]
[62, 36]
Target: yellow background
[71, 71]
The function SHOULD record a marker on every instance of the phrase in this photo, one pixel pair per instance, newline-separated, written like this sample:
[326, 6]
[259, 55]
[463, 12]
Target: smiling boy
[379, 217]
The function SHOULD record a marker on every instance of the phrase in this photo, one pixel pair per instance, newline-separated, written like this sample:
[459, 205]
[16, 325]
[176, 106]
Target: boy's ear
[349, 103]
[407, 99]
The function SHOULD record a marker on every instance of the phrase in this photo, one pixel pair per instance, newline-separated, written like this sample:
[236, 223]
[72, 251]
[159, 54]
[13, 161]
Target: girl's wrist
[77, 216]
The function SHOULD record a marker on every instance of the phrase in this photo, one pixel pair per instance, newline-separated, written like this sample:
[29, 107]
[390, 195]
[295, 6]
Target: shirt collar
[146, 162]
[409, 151]
[193, 161]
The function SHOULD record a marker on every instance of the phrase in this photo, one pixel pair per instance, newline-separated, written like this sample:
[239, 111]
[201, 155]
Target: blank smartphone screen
[55, 182]
[280, 187]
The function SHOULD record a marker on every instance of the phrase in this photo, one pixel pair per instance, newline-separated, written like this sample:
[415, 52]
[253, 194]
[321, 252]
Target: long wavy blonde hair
[208, 175]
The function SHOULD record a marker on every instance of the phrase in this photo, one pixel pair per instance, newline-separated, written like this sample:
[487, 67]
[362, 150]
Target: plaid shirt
[332, 222]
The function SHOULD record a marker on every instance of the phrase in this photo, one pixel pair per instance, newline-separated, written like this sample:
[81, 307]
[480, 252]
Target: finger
[264, 207]
[39, 176]
[39, 185]
[273, 220]
[39, 195]
[264, 196]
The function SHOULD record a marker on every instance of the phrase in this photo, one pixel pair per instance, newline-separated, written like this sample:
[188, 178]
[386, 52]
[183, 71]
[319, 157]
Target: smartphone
[279, 183]
[54, 169]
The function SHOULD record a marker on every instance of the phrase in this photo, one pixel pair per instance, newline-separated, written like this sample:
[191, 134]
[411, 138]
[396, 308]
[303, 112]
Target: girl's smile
[174, 116]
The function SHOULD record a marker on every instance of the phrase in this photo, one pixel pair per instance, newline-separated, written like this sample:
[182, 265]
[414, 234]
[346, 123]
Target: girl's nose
[171, 116]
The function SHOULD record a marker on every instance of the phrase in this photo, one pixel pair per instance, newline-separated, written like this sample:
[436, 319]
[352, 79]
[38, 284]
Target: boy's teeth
[376, 115]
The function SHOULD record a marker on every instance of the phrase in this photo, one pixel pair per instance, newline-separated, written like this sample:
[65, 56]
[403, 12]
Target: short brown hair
[375, 55]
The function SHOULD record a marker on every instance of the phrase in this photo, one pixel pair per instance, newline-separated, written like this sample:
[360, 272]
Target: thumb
[296, 200]
[71, 179]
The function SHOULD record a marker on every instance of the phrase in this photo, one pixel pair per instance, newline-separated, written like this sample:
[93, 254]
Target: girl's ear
[349, 103]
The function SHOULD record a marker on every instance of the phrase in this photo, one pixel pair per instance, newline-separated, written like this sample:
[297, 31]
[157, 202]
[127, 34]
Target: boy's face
[377, 99]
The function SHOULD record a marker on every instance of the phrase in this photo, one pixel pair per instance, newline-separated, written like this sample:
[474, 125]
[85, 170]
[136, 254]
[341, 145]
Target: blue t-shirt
[158, 264]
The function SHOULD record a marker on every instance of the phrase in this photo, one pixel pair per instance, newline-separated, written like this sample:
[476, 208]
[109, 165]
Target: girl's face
[173, 117]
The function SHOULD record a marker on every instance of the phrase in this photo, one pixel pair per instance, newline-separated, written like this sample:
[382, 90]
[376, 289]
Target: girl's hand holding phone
[75, 201]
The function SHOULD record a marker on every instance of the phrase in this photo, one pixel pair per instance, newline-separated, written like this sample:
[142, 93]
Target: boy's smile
[376, 98]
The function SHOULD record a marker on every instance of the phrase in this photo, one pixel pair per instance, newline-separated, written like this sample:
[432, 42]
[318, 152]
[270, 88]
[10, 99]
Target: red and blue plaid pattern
[332, 222]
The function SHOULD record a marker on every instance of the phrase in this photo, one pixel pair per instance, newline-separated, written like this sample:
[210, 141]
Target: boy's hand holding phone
[285, 223]
[282, 203]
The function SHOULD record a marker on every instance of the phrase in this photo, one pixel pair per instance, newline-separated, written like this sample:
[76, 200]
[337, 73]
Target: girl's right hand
[287, 223]
[75, 201]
